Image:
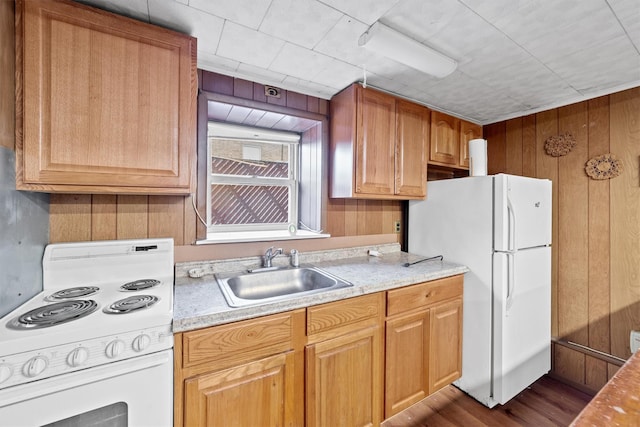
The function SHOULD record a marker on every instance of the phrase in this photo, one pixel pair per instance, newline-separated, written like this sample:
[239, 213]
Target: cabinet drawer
[423, 294]
[245, 340]
[335, 315]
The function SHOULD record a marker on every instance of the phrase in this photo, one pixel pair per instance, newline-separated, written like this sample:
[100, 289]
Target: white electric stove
[103, 319]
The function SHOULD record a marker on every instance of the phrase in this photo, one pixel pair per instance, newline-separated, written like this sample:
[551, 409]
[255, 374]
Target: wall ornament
[606, 166]
[559, 145]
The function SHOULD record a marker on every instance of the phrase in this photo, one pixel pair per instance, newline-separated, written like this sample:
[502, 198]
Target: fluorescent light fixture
[388, 42]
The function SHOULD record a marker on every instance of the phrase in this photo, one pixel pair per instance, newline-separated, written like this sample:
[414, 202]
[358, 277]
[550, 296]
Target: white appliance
[500, 227]
[95, 347]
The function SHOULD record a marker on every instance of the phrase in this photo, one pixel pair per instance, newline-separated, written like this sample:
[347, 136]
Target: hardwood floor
[547, 402]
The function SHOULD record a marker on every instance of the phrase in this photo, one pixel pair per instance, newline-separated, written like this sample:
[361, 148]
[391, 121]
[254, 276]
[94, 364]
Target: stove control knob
[114, 349]
[77, 357]
[5, 373]
[141, 342]
[34, 366]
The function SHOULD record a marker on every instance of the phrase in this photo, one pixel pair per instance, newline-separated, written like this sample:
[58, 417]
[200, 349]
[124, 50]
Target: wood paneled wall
[7, 73]
[346, 217]
[96, 217]
[596, 224]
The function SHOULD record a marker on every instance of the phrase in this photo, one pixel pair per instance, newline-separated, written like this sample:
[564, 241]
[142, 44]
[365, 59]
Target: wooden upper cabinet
[378, 146]
[374, 144]
[450, 136]
[412, 126]
[468, 131]
[445, 141]
[105, 104]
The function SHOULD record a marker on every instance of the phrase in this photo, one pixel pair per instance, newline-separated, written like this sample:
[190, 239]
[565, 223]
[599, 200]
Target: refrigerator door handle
[511, 237]
[511, 282]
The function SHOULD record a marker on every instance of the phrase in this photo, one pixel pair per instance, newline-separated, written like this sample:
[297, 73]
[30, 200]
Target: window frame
[292, 182]
[316, 219]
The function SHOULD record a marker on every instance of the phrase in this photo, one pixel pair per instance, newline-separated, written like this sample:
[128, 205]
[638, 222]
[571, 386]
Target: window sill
[259, 236]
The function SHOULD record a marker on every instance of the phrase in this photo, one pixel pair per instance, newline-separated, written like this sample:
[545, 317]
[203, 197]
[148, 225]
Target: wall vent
[271, 91]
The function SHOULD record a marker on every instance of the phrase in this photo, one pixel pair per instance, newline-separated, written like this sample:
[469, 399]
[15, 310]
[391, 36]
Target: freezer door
[522, 320]
[522, 212]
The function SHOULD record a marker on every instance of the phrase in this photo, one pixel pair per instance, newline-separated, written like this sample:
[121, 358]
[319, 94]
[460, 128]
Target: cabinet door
[344, 380]
[108, 103]
[445, 355]
[444, 139]
[468, 131]
[407, 361]
[412, 123]
[375, 146]
[259, 393]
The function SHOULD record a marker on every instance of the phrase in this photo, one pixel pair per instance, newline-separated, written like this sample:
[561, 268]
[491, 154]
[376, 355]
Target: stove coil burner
[127, 305]
[70, 293]
[54, 314]
[140, 284]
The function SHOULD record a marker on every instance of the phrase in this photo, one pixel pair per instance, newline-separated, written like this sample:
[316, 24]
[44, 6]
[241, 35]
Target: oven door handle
[63, 382]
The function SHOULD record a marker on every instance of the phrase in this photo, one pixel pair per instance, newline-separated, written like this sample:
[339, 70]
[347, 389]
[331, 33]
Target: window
[261, 171]
[253, 179]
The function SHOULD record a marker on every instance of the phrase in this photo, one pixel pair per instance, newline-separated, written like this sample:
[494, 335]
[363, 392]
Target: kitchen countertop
[198, 302]
[618, 402]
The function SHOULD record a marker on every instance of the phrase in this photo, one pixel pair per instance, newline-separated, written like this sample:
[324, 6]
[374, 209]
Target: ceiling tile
[591, 69]
[367, 11]
[299, 62]
[342, 41]
[261, 75]
[308, 88]
[337, 74]
[211, 62]
[628, 12]
[245, 12]
[549, 30]
[303, 22]
[514, 56]
[529, 82]
[478, 101]
[248, 46]
[171, 14]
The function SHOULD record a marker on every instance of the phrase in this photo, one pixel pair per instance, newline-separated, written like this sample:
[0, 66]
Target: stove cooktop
[92, 290]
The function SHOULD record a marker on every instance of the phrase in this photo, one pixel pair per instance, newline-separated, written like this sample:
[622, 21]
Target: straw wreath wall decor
[606, 166]
[559, 145]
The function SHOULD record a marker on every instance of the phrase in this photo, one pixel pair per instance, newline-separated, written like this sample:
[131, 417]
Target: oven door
[133, 392]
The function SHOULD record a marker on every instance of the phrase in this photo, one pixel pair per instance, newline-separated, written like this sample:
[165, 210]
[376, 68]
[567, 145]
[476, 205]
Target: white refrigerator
[500, 227]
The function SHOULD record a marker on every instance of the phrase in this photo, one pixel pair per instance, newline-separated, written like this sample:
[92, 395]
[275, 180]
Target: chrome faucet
[269, 255]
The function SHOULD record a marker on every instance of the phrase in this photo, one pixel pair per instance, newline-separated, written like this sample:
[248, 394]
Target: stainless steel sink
[276, 285]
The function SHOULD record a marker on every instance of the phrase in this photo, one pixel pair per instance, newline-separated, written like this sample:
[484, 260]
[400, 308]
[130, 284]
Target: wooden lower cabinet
[343, 386]
[407, 361]
[423, 341]
[259, 393]
[248, 373]
[445, 349]
[337, 364]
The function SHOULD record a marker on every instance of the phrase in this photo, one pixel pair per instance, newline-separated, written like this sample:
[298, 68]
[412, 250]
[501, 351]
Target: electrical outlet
[634, 341]
[396, 226]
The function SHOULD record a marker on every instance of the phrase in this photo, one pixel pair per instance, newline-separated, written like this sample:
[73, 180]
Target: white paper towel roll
[478, 157]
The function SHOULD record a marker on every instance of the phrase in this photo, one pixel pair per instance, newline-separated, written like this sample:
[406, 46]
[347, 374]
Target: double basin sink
[277, 284]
